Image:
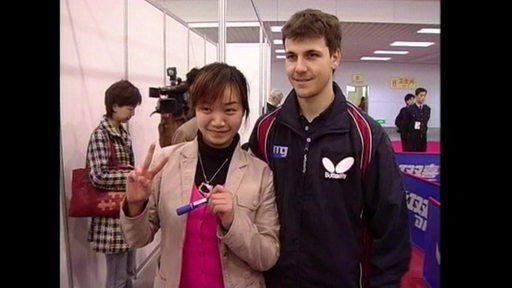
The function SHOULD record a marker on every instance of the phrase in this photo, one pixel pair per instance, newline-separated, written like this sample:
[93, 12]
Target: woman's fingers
[152, 172]
[149, 156]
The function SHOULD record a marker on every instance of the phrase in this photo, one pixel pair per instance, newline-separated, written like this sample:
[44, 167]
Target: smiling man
[340, 196]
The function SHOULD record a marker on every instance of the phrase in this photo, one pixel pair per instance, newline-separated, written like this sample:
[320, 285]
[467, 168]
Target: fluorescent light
[276, 28]
[429, 31]
[280, 57]
[278, 41]
[412, 44]
[390, 52]
[375, 58]
[228, 24]
[279, 51]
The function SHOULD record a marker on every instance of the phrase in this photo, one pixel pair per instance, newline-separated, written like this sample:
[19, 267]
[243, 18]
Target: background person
[331, 214]
[109, 137]
[416, 123]
[409, 99]
[362, 104]
[231, 240]
[274, 99]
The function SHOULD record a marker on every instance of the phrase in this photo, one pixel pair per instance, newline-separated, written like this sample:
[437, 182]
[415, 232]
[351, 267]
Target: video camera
[171, 98]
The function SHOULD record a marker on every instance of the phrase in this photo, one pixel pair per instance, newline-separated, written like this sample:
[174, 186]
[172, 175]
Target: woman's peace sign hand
[139, 182]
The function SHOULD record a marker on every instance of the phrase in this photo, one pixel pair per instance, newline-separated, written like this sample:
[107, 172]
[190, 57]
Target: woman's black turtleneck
[212, 160]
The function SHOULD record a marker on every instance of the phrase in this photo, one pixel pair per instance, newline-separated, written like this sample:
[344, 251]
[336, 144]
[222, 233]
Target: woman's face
[220, 121]
[123, 113]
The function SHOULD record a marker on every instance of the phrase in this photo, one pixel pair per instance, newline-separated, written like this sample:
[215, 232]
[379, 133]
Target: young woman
[109, 143]
[231, 239]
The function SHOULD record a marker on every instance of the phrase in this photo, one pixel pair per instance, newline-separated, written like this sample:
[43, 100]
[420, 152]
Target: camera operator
[170, 122]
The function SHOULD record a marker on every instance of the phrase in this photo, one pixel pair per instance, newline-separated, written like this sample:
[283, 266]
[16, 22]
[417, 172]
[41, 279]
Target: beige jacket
[186, 132]
[249, 247]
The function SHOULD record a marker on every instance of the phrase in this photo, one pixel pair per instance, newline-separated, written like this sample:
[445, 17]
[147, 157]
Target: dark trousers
[416, 142]
[403, 140]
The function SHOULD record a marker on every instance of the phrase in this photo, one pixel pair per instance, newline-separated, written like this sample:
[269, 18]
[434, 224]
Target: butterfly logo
[338, 171]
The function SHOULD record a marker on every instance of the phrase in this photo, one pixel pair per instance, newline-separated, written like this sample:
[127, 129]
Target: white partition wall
[176, 47]
[384, 101]
[102, 42]
[210, 52]
[146, 60]
[93, 51]
[237, 55]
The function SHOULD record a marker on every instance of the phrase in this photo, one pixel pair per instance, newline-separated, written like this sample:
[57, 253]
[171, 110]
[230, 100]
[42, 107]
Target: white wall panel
[92, 49]
[146, 58]
[196, 50]
[238, 55]
[103, 42]
[384, 102]
[211, 52]
[176, 45]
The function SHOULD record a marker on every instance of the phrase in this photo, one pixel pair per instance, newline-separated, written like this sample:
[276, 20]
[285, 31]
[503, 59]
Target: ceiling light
[279, 51]
[412, 44]
[276, 28]
[390, 52]
[228, 24]
[375, 58]
[429, 31]
[278, 41]
[280, 57]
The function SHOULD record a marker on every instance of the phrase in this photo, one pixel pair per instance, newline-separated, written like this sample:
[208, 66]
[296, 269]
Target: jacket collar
[188, 162]
[335, 115]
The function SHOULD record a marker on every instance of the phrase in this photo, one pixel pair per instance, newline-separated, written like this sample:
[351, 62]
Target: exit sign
[380, 121]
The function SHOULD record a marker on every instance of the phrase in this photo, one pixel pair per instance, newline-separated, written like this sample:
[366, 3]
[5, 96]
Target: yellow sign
[357, 78]
[403, 83]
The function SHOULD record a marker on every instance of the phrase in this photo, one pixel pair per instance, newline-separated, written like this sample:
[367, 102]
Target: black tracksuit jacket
[321, 205]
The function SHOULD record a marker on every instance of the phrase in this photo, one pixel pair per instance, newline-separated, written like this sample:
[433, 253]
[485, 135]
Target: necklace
[205, 186]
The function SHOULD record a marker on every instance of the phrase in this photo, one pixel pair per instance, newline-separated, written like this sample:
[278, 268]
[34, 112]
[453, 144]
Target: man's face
[309, 66]
[420, 98]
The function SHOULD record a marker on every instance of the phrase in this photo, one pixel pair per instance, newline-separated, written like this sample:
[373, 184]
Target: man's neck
[312, 107]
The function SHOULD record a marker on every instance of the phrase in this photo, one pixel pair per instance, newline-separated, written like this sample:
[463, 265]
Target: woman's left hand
[220, 203]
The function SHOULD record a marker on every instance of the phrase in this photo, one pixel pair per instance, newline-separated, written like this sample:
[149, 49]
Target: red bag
[89, 201]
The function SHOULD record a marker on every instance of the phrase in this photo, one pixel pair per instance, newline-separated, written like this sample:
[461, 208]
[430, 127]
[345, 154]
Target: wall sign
[403, 83]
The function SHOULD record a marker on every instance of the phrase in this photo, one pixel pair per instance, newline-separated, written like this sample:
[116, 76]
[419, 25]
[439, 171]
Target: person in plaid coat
[109, 154]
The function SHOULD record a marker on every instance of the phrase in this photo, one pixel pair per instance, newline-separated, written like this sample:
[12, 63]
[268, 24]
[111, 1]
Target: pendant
[205, 188]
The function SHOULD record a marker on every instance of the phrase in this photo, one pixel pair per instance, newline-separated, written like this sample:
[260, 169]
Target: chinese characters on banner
[403, 83]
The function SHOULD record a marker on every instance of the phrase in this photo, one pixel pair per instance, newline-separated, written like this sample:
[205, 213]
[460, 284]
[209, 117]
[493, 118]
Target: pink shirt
[201, 265]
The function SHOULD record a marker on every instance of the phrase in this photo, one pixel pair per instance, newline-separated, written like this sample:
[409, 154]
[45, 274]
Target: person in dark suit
[416, 123]
[399, 120]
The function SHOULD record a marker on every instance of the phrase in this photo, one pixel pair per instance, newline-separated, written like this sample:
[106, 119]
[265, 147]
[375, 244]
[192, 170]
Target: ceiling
[358, 38]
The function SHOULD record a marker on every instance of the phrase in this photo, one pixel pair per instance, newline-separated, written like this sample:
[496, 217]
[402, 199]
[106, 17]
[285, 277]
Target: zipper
[305, 157]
